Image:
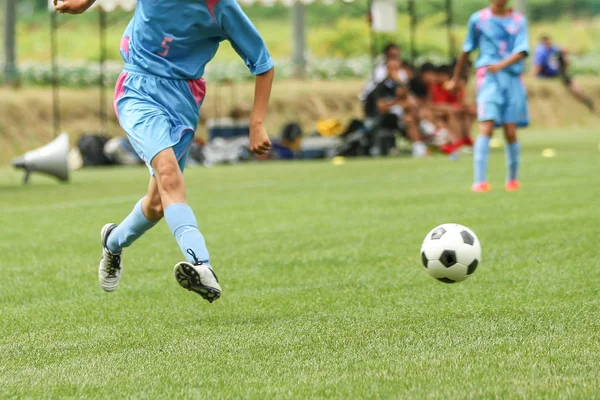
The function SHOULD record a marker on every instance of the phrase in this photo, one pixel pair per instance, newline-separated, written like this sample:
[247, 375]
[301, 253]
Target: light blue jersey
[166, 47]
[176, 38]
[497, 38]
[158, 96]
[501, 97]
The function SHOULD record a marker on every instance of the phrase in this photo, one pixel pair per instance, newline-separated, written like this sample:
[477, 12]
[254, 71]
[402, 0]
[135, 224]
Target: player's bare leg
[194, 274]
[480, 157]
[577, 92]
[152, 204]
[513, 153]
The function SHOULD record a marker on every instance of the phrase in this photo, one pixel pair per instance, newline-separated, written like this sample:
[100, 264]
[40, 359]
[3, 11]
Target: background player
[166, 47]
[550, 61]
[501, 36]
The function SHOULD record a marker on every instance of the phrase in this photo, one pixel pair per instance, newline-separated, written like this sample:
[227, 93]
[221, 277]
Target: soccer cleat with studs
[198, 278]
[111, 268]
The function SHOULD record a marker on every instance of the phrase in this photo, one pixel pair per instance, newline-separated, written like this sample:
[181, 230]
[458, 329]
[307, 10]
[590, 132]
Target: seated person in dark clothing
[391, 52]
[550, 61]
[408, 70]
[419, 84]
[396, 112]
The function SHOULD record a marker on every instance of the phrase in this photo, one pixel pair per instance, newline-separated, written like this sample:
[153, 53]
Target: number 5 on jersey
[165, 45]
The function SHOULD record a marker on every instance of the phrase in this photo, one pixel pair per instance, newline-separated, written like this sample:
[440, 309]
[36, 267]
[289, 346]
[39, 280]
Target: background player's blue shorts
[158, 113]
[502, 98]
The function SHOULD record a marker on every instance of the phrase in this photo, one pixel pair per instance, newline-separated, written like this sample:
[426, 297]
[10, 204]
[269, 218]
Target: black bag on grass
[91, 148]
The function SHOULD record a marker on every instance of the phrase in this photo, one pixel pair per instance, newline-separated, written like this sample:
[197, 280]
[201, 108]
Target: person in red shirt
[439, 94]
[445, 114]
[452, 109]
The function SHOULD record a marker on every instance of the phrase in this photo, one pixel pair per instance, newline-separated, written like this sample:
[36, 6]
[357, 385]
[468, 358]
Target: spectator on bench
[391, 52]
[451, 109]
[396, 113]
[420, 83]
[434, 133]
[550, 61]
[407, 71]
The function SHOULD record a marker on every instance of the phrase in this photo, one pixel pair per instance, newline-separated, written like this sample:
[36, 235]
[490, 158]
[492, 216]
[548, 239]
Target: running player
[166, 47]
[501, 35]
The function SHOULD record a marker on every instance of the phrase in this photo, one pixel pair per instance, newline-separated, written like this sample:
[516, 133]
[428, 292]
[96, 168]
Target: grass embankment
[26, 114]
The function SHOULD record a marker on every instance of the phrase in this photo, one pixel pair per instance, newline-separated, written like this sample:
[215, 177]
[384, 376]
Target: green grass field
[324, 294]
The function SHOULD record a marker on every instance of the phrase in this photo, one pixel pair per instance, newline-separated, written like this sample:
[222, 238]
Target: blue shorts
[502, 98]
[158, 113]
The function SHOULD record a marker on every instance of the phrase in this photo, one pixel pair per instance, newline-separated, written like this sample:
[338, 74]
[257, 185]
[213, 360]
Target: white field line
[71, 204]
[100, 201]
[126, 199]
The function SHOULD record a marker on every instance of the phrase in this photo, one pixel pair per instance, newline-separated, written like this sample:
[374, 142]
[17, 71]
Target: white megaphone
[50, 159]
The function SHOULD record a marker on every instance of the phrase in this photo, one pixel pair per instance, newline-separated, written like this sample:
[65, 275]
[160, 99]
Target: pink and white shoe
[481, 187]
[512, 185]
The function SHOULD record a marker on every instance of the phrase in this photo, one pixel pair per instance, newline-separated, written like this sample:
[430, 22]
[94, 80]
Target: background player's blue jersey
[176, 38]
[547, 59]
[497, 38]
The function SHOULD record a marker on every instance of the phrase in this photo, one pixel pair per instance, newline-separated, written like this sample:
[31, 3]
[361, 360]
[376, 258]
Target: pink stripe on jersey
[198, 89]
[211, 4]
[481, 76]
[119, 91]
[485, 14]
[125, 44]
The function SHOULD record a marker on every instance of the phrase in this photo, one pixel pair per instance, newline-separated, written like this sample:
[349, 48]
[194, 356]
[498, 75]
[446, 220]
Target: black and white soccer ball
[451, 253]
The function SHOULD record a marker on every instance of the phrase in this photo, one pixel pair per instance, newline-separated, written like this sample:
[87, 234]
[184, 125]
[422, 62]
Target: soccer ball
[451, 253]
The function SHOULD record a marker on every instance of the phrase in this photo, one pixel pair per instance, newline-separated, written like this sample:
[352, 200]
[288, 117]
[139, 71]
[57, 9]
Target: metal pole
[372, 38]
[521, 6]
[11, 75]
[55, 77]
[449, 24]
[298, 39]
[102, 115]
[412, 11]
